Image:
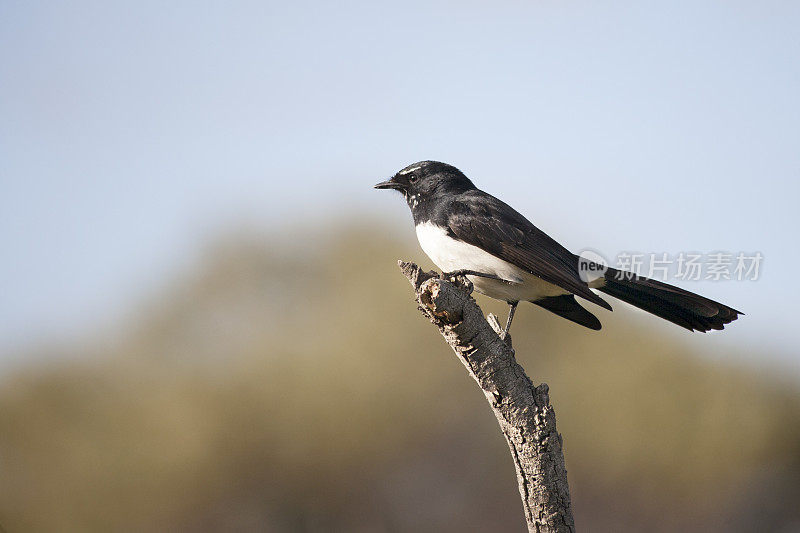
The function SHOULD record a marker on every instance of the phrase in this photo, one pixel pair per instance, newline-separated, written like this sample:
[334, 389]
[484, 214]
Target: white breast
[450, 254]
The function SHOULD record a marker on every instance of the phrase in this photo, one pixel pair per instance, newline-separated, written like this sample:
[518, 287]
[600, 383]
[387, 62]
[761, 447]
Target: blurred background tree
[258, 392]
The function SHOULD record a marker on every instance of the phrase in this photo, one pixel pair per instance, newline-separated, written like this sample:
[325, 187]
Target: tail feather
[681, 307]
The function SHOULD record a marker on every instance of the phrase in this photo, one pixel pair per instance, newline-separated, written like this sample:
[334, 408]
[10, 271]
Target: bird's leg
[512, 307]
[448, 275]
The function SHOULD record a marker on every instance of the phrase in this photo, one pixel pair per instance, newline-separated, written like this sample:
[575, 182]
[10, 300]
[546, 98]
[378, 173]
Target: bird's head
[425, 179]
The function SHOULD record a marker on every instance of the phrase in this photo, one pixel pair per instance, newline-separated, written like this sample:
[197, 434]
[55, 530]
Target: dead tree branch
[526, 418]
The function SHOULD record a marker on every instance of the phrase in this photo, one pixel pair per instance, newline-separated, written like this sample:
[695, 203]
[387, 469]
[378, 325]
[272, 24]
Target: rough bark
[526, 418]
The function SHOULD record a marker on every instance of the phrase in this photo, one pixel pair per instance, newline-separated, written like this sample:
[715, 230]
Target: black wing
[482, 220]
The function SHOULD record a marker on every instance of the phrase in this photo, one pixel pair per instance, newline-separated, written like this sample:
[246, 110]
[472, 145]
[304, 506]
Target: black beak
[389, 184]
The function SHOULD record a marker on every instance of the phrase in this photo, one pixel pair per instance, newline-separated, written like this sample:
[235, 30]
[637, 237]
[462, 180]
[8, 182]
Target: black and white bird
[466, 231]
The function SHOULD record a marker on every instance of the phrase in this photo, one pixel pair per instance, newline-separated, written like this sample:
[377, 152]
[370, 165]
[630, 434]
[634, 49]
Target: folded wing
[482, 220]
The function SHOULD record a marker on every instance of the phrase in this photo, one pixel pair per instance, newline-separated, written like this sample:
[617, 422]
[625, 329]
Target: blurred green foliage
[269, 390]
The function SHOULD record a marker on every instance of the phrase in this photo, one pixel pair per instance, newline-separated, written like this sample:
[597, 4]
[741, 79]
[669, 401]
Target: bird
[468, 232]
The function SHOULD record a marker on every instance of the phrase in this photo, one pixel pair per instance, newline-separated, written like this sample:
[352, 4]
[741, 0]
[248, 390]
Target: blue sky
[131, 131]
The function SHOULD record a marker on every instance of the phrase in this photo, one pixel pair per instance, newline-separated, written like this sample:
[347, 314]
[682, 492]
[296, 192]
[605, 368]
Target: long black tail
[680, 307]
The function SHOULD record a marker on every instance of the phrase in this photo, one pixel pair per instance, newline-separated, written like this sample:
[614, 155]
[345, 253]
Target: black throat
[434, 208]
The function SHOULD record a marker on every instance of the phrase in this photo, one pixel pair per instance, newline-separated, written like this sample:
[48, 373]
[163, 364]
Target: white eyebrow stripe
[408, 170]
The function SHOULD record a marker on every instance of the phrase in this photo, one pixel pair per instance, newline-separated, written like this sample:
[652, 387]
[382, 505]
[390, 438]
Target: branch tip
[522, 409]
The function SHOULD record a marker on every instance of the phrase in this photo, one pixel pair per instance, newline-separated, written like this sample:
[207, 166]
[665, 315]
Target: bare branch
[526, 418]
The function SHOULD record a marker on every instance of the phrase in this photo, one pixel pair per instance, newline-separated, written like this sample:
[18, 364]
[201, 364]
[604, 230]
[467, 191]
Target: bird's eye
[412, 178]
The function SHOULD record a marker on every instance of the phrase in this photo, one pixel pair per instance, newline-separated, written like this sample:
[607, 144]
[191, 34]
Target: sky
[131, 132]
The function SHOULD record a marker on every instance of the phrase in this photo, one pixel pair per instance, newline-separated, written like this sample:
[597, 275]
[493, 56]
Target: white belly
[450, 254]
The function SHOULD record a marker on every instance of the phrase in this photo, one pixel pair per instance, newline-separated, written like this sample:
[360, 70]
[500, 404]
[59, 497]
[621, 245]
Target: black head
[426, 179]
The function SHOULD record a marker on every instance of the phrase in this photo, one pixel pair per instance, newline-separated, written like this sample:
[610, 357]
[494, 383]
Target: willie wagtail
[466, 231]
